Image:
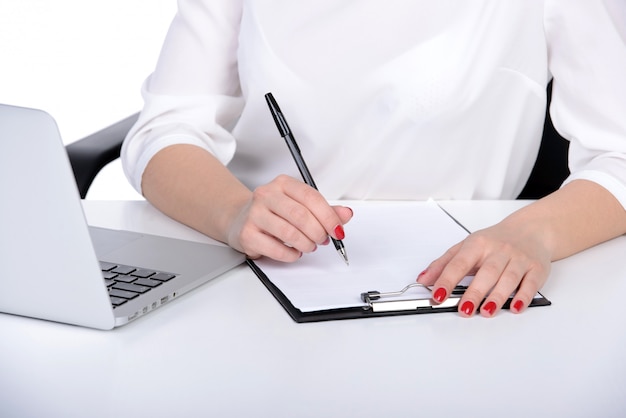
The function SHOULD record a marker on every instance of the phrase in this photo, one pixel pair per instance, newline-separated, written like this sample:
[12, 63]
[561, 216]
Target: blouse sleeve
[587, 59]
[193, 96]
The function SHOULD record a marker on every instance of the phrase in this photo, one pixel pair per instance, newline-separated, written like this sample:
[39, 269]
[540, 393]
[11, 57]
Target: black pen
[285, 132]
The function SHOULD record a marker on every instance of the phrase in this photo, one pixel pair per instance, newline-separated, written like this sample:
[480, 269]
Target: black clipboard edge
[353, 313]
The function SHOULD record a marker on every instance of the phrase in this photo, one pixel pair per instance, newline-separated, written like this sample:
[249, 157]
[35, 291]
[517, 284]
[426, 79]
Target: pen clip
[277, 115]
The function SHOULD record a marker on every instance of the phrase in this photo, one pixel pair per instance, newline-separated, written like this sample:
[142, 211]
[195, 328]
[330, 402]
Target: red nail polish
[440, 294]
[421, 274]
[518, 305]
[468, 307]
[489, 307]
[326, 241]
[339, 232]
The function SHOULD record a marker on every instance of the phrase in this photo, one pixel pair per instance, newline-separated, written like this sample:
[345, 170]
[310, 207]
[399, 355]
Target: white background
[82, 61]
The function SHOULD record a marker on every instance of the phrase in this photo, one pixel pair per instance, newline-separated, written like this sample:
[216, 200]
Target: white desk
[229, 349]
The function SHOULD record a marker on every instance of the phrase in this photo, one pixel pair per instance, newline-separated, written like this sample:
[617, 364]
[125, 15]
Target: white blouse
[392, 100]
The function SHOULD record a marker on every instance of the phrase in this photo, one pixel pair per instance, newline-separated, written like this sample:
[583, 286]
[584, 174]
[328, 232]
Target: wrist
[221, 222]
[536, 226]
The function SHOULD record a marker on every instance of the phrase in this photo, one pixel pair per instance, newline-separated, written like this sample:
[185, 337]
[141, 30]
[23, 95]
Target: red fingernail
[489, 307]
[339, 232]
[440, 294]
[468, 307]
[326, 241]
[421, 274]
[518, 305]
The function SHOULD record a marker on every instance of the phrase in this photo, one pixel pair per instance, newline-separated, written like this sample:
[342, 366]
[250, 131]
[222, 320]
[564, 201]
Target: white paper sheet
[388, 245]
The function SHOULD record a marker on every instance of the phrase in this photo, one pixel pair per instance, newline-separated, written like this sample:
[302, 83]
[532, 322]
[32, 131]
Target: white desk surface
[228, 349]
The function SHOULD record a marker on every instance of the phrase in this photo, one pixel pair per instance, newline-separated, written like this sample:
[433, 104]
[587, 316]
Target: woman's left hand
[507, 258]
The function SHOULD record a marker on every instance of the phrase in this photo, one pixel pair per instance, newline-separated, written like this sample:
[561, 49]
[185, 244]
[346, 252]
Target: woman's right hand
[285, 218]
[280, 220]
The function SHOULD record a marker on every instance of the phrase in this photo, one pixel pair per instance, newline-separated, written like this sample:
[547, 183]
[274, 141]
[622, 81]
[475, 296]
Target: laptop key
[104, 266]
[162, 277]
[115, 301]
[143, 273]
[123, 294]
[123, 269]
[125, 278]
[148, 282]
[131, 287]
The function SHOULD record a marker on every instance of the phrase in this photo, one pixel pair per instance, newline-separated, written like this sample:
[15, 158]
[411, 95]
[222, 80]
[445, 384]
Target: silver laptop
[53, 266]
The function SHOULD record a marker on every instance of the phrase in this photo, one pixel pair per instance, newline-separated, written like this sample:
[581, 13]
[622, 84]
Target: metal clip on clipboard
[374, 302]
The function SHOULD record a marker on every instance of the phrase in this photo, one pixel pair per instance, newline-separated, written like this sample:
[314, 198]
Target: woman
[393, 100]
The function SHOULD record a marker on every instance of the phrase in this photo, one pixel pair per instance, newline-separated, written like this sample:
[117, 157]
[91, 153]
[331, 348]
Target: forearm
[281, 219]
[578, 216]
[190, 185]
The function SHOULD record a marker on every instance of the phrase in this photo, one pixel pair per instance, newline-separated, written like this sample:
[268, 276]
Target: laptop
[53, 266]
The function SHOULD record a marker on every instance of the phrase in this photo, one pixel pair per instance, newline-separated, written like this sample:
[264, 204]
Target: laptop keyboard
[127, 282]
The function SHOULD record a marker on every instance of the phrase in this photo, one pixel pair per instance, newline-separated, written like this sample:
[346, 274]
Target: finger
[297, 227]
[258, 244]
[272, 204]
[533, 281]
[345, 213]
[289, 232]
[506, 284]
[429, 275]
[278, 251]
[315, 203]
[251, 235]
[486, 277]
[459, 266]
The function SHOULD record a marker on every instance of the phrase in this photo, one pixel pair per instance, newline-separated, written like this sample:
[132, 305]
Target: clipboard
[376, 306]
[380, 280]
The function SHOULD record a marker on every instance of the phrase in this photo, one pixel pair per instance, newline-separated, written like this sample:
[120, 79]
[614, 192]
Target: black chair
[90, 154]
[551, 167]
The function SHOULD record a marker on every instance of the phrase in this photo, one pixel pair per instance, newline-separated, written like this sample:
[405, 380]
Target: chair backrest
[550, 169]
[89, 155]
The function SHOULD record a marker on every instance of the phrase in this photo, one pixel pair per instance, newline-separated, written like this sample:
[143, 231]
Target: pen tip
[344, 256]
